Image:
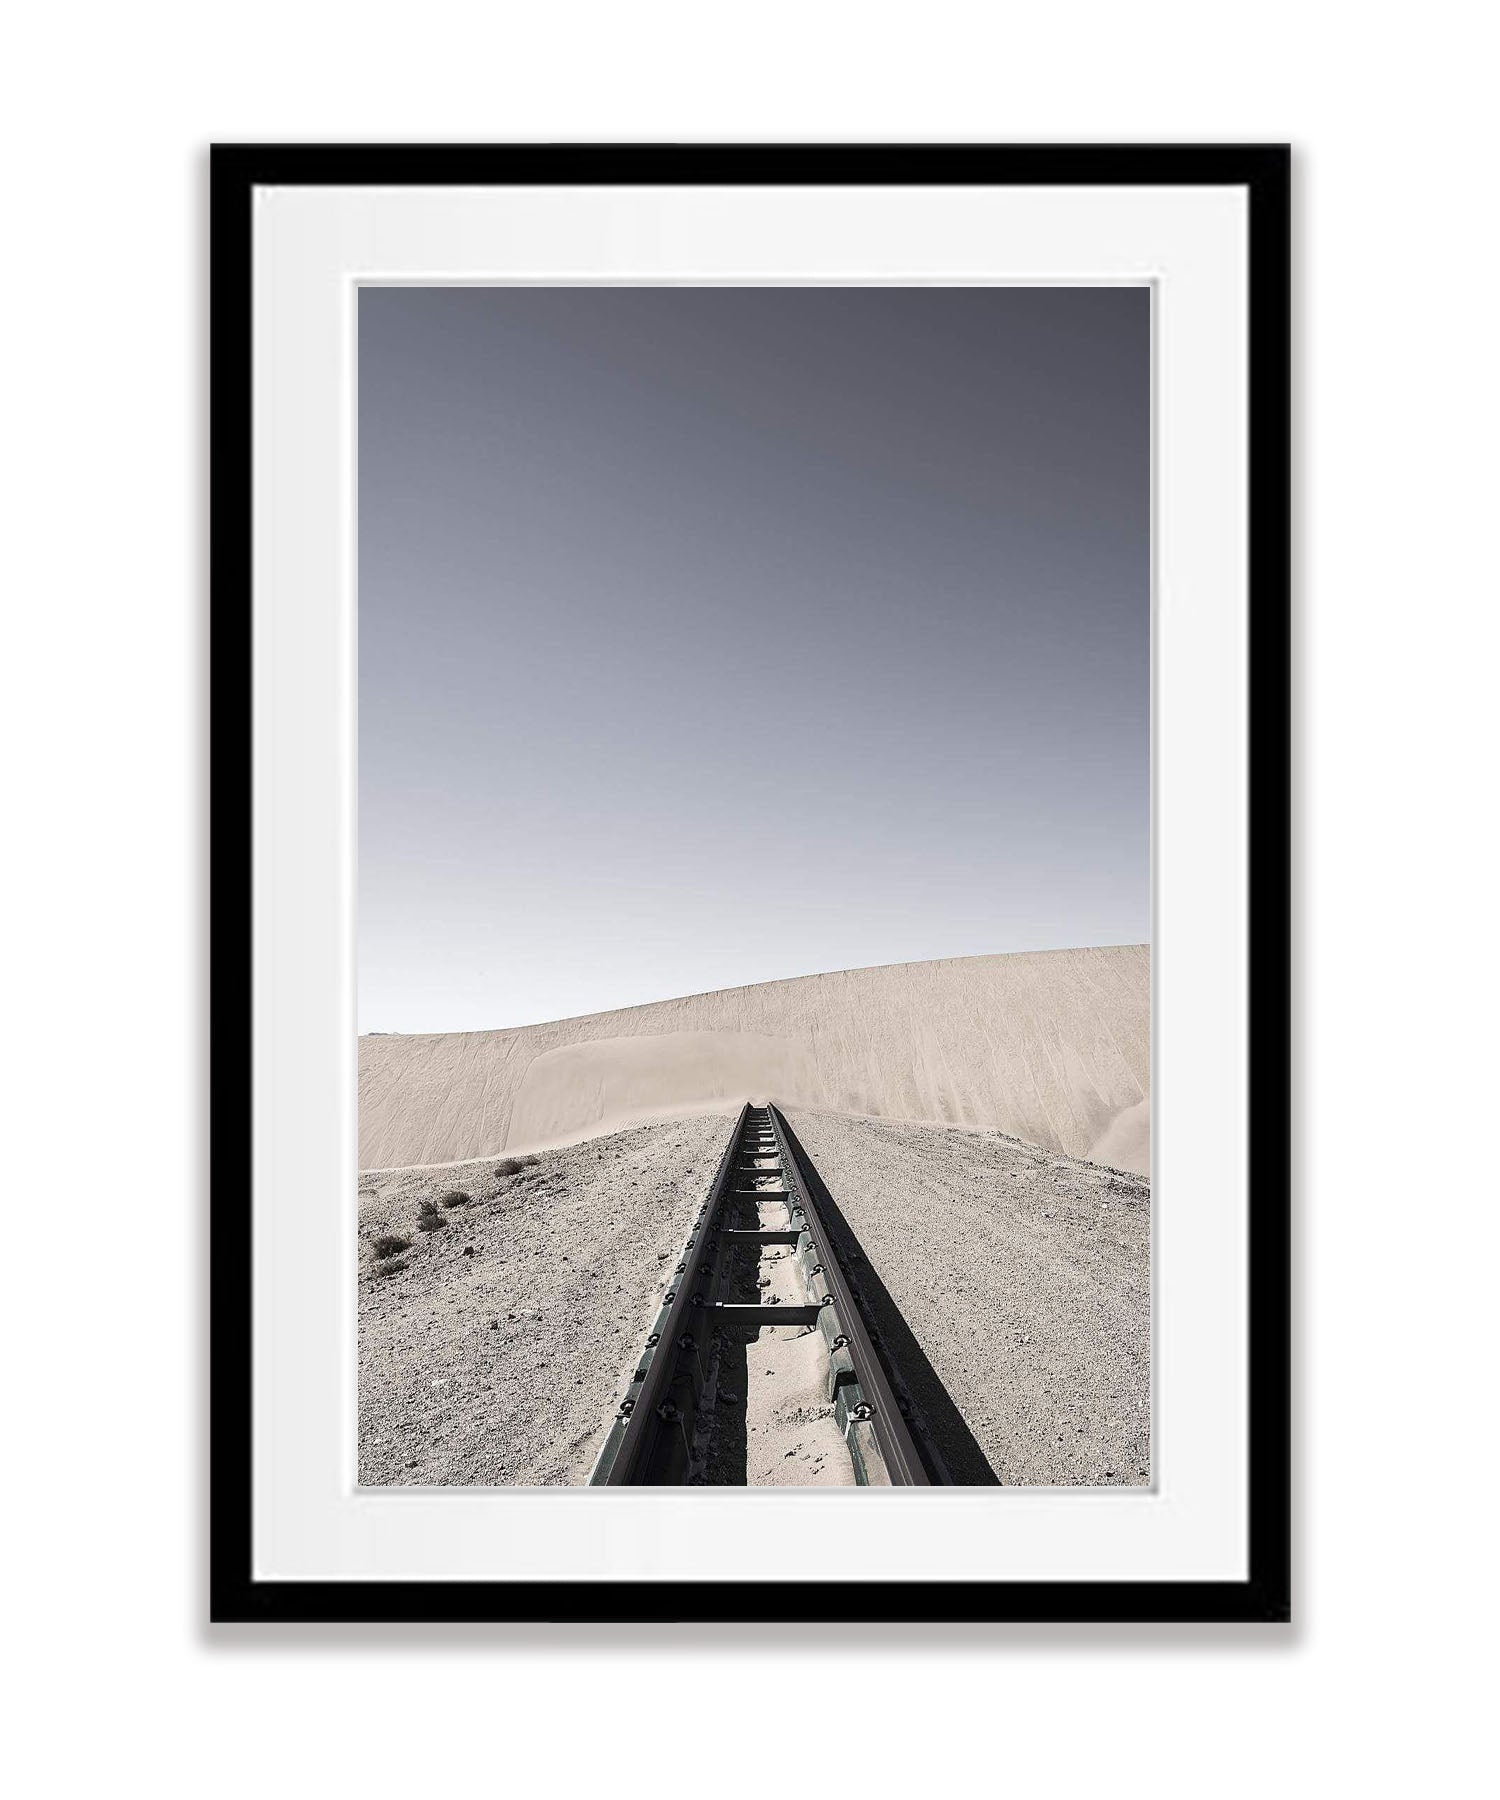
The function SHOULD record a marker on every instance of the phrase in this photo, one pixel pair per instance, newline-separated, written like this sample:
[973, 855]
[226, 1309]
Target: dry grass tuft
[513, 1165]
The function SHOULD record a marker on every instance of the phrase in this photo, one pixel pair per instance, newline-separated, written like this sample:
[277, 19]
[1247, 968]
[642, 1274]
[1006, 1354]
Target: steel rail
[893, 1434]
[664, 1426]
[638, 1425]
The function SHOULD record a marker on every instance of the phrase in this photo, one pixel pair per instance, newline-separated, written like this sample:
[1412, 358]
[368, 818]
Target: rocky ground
[1024, 1280]
[493, 1346]
[1012, 1285]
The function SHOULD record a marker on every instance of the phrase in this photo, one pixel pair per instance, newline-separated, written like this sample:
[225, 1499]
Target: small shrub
[455, 1199]
[389, 1245]
[389, 1268]
[429, 1218]
[512, 1165]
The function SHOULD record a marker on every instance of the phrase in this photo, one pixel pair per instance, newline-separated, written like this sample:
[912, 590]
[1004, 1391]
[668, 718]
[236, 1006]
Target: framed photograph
[750, 853]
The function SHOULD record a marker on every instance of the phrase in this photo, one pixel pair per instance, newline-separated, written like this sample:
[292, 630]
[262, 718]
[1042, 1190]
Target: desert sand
[1051, 1047]
[1012, 1283]
[982, 1126]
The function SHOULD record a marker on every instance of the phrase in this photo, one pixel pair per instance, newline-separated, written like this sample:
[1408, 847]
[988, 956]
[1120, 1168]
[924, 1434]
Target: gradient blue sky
[715, 635]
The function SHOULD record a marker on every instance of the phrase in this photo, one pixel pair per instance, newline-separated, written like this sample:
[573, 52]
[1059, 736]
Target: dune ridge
[1050, 1046]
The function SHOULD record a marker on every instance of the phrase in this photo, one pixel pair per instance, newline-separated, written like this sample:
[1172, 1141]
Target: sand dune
[1051, 1046]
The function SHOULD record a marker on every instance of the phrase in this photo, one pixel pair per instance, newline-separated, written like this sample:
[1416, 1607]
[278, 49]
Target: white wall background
[1378, 1687]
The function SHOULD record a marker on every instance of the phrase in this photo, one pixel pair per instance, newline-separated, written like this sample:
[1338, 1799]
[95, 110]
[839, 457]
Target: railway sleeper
[748, 1285]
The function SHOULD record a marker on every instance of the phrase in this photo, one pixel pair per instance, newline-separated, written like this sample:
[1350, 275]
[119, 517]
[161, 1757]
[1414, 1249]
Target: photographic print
[754, 885]
[750, 869]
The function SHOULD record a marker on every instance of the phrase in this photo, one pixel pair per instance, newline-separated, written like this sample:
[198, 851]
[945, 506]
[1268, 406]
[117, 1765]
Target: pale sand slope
[1051, 1046]
[497, 1351]
[1025, 1279]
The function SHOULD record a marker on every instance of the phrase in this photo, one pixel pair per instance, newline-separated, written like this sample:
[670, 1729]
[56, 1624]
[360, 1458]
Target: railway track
[764, 1287]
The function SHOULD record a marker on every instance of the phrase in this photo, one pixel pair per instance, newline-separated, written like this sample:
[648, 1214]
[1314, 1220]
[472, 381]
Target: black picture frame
[1263, 172]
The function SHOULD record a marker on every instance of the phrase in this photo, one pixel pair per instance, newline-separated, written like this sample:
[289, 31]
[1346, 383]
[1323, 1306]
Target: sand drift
[763, 1292]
